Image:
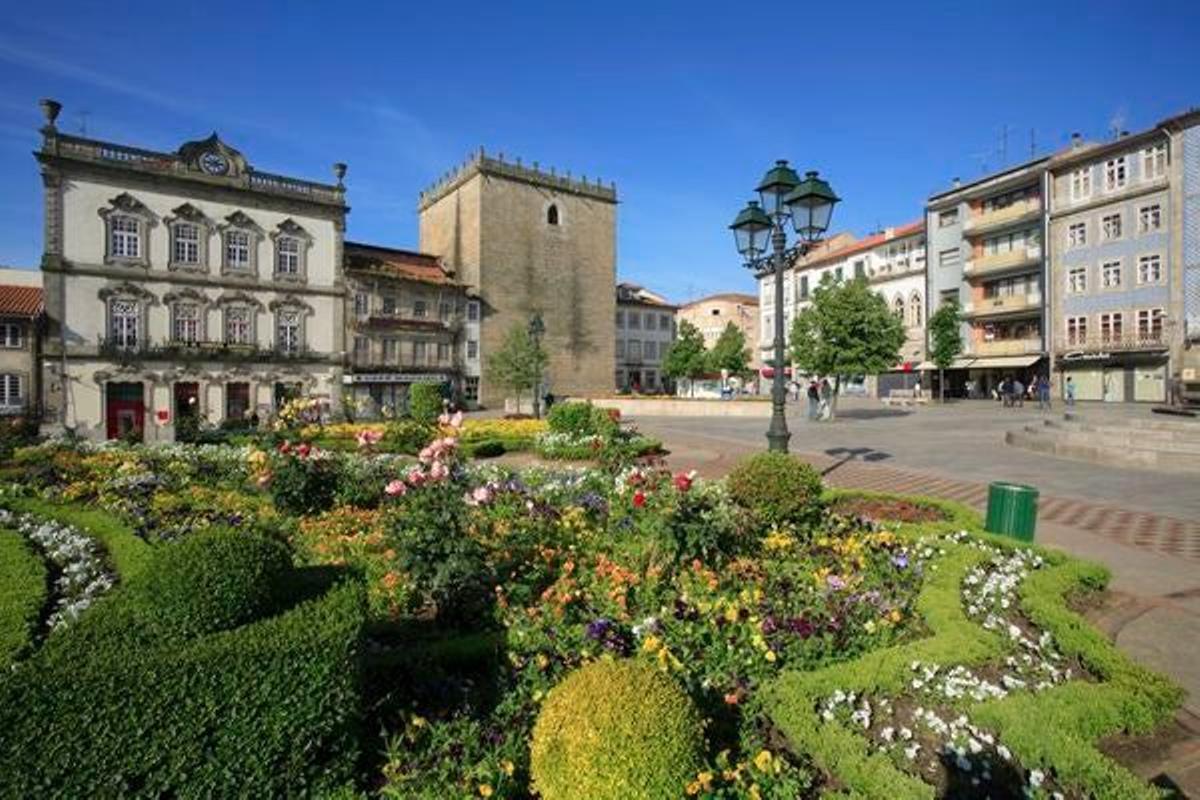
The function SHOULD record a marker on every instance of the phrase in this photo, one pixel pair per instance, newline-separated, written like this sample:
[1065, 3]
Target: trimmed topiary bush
[777, 489]
[425, 402]
[214, 581]
[574, 418]
[267, 709]
[616, 730]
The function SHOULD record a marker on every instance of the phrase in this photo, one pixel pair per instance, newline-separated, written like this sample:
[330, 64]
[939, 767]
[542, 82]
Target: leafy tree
[518, 363]
[945, 341]
[847, 330]
[729, 352]
[685, 358]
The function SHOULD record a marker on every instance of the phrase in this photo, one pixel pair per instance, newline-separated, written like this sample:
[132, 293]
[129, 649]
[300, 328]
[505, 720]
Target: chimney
[1076, 140]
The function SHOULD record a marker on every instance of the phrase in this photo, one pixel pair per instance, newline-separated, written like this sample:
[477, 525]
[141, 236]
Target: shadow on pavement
[847, 454]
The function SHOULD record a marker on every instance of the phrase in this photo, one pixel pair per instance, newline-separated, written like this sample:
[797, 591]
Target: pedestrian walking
[826, 391]
[1043, 392]
[814, 399]
[1070, 391]
[1019, 392]
[1006, 392]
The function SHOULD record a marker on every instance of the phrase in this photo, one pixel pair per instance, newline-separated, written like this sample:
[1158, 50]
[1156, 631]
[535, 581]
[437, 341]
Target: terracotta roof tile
[861, 245]
[20, 301]
[406, 264]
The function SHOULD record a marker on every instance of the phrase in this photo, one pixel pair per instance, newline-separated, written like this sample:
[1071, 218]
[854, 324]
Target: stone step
[1088, 447]
[1180, 425]
[1133, 437]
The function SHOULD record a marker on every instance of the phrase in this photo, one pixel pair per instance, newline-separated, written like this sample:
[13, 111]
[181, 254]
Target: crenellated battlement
[481, 162]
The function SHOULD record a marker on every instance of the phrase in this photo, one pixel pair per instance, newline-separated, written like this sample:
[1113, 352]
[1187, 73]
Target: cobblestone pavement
[953, 454]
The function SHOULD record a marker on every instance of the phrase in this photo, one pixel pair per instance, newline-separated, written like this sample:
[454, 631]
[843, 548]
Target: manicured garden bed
[806, 642]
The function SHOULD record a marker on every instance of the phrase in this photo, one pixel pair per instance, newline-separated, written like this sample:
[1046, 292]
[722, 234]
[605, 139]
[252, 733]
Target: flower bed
[886, 653]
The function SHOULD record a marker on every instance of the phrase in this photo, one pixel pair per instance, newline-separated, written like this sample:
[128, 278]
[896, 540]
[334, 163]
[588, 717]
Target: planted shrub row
[168, 688]
[22, 595]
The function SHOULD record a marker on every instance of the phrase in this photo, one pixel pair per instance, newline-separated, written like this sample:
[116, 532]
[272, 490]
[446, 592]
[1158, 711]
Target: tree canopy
[847, 330]
[518, 363]
[685, 358]
[729, 352]
[945, 340]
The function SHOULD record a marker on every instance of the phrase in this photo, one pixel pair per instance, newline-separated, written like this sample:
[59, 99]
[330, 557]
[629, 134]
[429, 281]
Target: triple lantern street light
[808, 203]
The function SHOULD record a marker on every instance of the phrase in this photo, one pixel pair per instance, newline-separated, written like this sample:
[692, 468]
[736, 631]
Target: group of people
[1013, 393]
[820, 397]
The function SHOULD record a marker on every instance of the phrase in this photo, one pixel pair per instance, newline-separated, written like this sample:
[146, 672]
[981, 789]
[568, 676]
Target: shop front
[1114, 377]
[979, 377]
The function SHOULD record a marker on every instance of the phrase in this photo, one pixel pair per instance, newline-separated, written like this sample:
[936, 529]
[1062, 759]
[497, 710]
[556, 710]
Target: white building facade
[184, 284]
[892, 261]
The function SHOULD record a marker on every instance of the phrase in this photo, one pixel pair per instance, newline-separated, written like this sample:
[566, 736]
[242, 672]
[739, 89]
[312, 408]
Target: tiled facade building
[645, 330]
[406, 324]
[184, 283]
[986, 255]
[527, 241]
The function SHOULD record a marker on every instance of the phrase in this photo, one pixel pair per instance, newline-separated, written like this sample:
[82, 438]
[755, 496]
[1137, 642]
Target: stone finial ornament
[339, 172]
[50, 109]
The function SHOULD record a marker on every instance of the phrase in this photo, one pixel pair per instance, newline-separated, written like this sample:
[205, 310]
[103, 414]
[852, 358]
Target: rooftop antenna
[83, 115]
[1032, 143]
[1004, 146]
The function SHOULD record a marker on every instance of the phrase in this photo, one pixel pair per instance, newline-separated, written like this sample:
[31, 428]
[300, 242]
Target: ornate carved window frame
[127, 206]
[134, 293]
[290, 304]
[187, 297]
[241, 301]
[239, 222]
[188, 214]
[289, 230]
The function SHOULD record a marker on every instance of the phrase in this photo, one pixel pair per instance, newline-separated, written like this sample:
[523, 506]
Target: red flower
[683, 482]
[284, 447]
[639, 499]
[303, 450]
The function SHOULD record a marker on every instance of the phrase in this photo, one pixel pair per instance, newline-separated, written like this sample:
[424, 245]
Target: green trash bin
[1012, 510]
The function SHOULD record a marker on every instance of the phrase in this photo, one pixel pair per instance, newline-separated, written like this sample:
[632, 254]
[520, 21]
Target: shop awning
[1001, 362]
[994, 362]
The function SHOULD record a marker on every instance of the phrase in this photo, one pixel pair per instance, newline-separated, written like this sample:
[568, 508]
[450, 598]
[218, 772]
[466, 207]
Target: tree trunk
[833, 398]
[942, 384]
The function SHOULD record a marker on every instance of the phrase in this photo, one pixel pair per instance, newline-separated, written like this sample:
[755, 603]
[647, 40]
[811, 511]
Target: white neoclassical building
[184, 284]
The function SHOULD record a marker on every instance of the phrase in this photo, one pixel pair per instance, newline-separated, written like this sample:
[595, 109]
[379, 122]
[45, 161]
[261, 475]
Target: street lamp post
[808, 203]
[536, 328]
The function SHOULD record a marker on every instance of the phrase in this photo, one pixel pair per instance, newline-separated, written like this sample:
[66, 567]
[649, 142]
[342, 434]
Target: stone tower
[529, 241]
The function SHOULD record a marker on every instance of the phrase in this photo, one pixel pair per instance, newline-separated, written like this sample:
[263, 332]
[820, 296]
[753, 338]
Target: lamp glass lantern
[779, 181]
[811, 205]
[751, 230]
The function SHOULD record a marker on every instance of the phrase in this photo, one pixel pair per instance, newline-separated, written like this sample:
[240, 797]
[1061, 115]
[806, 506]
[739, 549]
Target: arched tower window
[898, 306]
[552, 215]
[915, 310]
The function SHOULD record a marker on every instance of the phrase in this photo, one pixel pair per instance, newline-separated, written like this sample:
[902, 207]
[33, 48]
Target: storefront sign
[396, 377]
[1078, 355]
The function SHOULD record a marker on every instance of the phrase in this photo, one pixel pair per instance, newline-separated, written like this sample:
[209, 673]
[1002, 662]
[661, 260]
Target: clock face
[214, 163]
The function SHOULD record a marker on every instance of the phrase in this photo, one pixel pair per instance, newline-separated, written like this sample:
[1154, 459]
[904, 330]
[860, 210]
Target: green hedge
[128, 552]
[1055, 729]
[22, 595]
[268, 709]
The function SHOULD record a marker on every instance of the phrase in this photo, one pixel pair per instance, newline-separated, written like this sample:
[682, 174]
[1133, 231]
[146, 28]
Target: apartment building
[406, 325]
[21, 310]
[711, 314]
[986, 255]
[893, 262]
[184, 284]
[645, 324]
[1120, 217]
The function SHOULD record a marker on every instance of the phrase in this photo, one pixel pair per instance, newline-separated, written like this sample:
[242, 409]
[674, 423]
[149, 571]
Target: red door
[125, 410]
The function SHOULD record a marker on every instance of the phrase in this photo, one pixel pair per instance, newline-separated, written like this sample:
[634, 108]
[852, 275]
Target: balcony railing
[1007, 347]
[1009, 215]
[381, 321]
[375, 363]
[201, 351]
[1121, 343]
[1007, 304]
[1001, 262]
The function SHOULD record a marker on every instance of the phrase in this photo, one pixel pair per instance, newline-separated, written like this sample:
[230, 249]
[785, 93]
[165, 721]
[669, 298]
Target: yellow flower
[485, 790]
[507, 767]
[869, 626]
[770, 656]
[894, 615]
[763, 760]
[418, 721]
[542, 661]
[651, 643]
[754, 793]
[731, 614]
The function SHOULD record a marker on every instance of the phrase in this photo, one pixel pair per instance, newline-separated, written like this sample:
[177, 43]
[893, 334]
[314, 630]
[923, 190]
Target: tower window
[552, 215]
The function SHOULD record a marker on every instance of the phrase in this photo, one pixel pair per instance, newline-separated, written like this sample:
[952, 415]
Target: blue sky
[684, 105]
